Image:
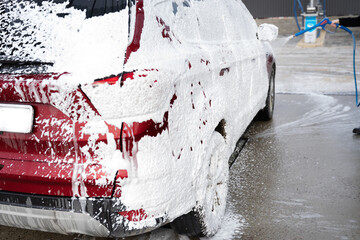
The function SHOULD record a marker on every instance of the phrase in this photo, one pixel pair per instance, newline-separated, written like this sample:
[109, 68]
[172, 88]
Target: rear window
[19, 66]
[98, 7]
[88, 36]
[93, 8]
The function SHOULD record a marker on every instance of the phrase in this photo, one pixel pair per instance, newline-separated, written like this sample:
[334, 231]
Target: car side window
[186, 21]
[239, 23]
[179, 17]
[210, 20]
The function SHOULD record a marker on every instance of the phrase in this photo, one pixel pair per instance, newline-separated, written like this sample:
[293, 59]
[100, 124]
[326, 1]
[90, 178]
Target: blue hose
[322, 24]
[354, 62]
[296, 2]
[301, 7]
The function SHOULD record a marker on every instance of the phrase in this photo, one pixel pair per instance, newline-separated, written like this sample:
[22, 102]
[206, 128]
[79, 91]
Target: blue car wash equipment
[311, 17]
[315, 9]
[322, 25]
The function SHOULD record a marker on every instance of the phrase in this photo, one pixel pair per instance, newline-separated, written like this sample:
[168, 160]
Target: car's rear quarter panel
[203, 94]
[42, 162]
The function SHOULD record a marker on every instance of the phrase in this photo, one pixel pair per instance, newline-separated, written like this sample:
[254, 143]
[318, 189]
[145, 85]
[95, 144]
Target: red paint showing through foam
[134, 215]
[139, 25]
[166, 31]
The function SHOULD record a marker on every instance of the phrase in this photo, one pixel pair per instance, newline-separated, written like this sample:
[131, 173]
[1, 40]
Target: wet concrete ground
[298, 176]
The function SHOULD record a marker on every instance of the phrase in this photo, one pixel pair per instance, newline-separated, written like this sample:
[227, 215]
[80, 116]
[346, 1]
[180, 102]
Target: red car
[117, 117]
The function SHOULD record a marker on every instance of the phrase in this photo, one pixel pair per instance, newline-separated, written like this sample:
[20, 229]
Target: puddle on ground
[326, 113]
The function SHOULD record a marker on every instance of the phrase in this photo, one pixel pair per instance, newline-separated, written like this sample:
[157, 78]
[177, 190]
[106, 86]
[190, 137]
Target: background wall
[285, 8]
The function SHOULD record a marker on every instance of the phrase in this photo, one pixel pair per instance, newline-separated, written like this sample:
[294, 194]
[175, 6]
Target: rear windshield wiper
[10, 62]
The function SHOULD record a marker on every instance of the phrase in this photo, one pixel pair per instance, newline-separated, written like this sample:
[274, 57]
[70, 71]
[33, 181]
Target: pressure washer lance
[323, 24]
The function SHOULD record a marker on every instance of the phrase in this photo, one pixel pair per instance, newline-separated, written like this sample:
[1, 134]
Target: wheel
[205, 219]
[267, 112]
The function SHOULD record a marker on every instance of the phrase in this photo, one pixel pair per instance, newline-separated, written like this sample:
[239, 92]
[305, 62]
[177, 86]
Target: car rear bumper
[51, 221]
[91, 216]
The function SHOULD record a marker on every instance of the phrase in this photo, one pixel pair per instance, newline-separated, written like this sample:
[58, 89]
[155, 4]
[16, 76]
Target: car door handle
[224, 70]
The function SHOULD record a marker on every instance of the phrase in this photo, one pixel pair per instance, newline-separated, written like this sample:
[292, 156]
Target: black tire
[197, 222]
[267, 112]
[188, 224]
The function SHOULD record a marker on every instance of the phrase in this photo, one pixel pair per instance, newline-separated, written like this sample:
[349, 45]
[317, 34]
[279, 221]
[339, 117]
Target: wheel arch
[221, 128]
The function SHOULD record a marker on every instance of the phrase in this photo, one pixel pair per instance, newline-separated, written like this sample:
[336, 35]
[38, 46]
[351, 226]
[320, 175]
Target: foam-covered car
[117, 117]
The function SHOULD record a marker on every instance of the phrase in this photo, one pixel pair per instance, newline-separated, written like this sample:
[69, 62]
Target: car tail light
[126, 76]
[114, 79]
[123, 77]
[110, 80]
[121, 174]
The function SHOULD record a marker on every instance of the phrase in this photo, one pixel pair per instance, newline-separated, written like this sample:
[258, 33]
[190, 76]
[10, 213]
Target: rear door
[216, 42]
[248, 51]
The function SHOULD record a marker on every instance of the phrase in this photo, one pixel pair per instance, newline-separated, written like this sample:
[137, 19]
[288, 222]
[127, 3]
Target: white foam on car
[164, 179]
[169, 180]
[268, 32]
